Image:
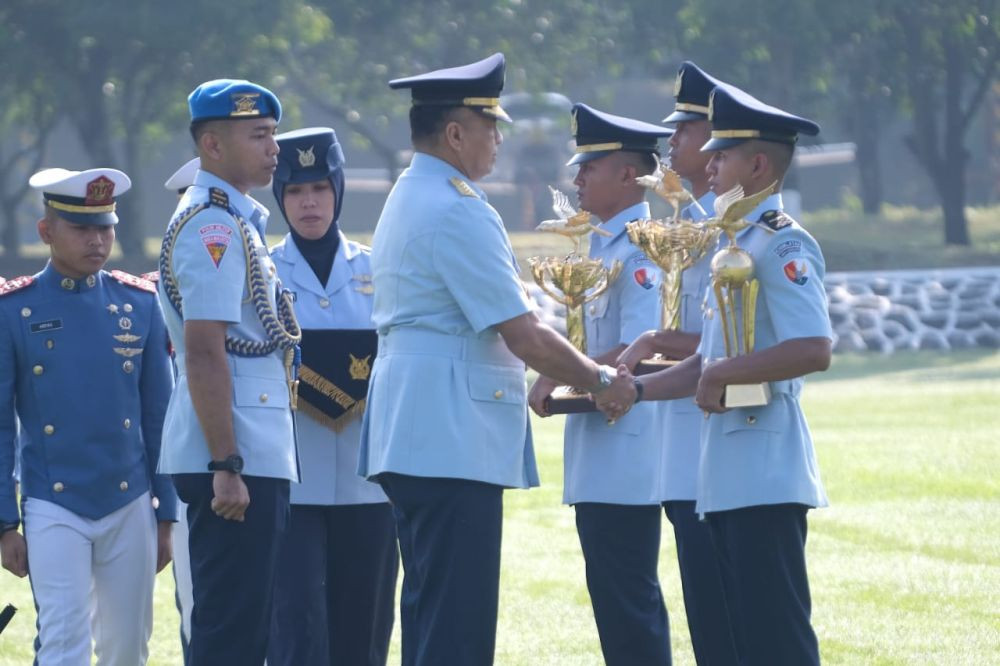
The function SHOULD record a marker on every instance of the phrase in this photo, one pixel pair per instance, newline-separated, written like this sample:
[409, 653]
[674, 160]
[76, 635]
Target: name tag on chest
[44, 326]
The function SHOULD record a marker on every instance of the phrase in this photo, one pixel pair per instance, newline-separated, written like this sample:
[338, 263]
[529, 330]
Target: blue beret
[477, 86]
[737, 117]
[598, 134]
[692, 88]
[307, 155]
[232, 99]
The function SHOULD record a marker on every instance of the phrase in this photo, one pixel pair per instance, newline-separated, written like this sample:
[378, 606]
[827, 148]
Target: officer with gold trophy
[758, 475]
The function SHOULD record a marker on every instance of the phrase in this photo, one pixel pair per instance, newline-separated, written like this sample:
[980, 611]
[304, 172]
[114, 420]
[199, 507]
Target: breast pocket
[766, 419]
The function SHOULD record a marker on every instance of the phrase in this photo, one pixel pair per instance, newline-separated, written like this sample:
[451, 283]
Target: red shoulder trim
[134, 281]
[152, 276]
[13, 284]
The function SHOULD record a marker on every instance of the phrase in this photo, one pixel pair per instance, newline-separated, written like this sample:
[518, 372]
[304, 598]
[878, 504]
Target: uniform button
[156, 503]
[49, 344]
[593, 309]
[38, 369]
[67, 283]
[324, 302]
[127, 307]
[751, 420]
[123, 485]
[497, 394]
[91, 280]
[25, 312]
[49, 429]
[128, 366]
[263, 397]
[58, 486]
[127, 423]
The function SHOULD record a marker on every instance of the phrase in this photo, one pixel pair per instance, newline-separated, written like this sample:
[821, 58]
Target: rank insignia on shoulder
[218, 197]
[134, 281]
[775, 220]
[13, 284]
[463, 187]
[152, 276]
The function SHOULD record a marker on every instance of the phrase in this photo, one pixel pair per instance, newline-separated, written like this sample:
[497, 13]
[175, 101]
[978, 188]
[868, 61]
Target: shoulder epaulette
[152, 276]
[134, 281]
[775, 220]
[218, 197]
[13, 284]
[463, 187]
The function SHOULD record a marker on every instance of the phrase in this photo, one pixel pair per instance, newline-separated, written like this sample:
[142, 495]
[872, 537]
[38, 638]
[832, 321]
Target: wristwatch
[605, 375]
[8, 527]
[233, 463]
[639, 389]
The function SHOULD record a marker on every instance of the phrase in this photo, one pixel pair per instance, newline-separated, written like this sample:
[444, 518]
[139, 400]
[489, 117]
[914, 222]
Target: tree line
[118, 72]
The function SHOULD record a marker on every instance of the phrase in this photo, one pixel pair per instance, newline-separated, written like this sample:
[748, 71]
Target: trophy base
[655, 364]
[746, 395]
[567, 400]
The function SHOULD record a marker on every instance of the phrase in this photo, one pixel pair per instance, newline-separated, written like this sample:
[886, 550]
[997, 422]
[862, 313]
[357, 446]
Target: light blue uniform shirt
[210, 268]
[329, 459]
[681, 418]
[447, 398]
[764, 455]
[617, 464]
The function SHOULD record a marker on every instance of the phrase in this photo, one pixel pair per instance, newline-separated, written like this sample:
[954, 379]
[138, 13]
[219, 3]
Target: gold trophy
[573, 281]
[674, 245]
[736, 290]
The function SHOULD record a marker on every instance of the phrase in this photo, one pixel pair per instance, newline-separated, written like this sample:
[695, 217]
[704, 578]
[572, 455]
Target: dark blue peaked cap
[692, 88]
[598, 134]
[307, 155]
[476, 86]
[737, 116]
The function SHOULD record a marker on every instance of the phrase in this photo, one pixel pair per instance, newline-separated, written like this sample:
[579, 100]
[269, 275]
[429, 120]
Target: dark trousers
[762, 553]
[621, 547]
[449, 538]
[232, 570]
[335, 588]
[701, 581]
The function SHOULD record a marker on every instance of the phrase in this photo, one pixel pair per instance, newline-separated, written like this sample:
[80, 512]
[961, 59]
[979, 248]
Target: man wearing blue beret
[84, 366]
[446, 428]
[757, 475]
[228, 435]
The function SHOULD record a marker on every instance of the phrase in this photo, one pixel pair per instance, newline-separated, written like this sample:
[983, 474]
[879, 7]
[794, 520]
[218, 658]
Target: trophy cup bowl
[573, 280]
[674, 246]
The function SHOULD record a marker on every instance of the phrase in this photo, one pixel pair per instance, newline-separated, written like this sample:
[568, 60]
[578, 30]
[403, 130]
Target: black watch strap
[639, 389]
[233, 463]
[8, 527]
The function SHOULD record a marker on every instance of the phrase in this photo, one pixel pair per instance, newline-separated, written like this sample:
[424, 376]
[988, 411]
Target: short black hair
[199, 127]
[427, 121]
[644, 163]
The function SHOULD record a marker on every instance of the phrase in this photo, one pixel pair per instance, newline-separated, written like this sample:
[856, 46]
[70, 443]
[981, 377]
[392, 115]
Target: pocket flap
[496, 383]
[257, 392]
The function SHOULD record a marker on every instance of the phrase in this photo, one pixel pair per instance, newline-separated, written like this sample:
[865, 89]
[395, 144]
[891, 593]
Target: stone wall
[886, 311]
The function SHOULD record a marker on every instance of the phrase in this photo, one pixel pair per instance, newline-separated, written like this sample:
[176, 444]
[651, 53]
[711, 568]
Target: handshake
[614, 399]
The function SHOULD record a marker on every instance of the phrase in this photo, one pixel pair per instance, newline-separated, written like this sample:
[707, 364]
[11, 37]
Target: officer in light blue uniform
[446, 428]
[228, 435]
[612, 472]
[700, 572]
[337, 567]
[758, 474]
[84, 366]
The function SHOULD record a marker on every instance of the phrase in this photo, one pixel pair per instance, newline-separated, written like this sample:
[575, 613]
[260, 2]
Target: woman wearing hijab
[336, 579]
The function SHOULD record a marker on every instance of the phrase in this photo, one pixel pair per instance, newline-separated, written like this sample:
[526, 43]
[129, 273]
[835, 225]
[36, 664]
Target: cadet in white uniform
[84, 365]
[337, 565]
[446, 428]
[758, 475]
[612, 475]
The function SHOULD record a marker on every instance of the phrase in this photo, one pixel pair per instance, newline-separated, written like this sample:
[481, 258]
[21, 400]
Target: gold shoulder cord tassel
[291, 377]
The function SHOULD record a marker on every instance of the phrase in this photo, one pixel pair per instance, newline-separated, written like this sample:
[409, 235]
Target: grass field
[904, 566]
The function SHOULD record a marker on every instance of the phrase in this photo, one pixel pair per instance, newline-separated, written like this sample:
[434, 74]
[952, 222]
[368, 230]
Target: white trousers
[92, 580]
[182, 571]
